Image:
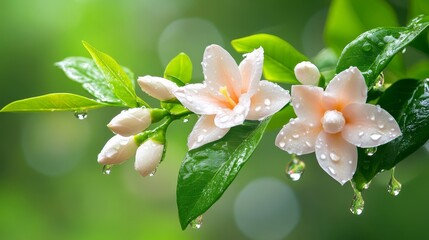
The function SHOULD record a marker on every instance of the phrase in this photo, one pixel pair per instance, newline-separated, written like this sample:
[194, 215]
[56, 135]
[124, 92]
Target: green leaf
[117, 80]
[281, 117]
[280, 58]
[349, 18]
[54, 102]
[83, 70]
[207, 171]
[408, 102]
[372, 51]
[179, 69]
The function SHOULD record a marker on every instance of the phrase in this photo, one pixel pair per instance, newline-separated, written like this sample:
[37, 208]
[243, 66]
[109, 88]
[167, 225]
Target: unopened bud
[148, 156]
[131, 121]
[117, 150]
[157, 87]
[307, 73]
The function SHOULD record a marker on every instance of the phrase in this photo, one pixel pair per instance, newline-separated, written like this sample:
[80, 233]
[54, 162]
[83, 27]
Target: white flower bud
[307, 73]
[131, 121]
[157, 87]
[148, 156]
[117, 150]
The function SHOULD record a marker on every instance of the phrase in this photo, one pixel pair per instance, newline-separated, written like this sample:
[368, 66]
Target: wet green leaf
[179, 69]
[53, 102]
[408, 102]
[372, 51]
[207, 171]
[280, 58]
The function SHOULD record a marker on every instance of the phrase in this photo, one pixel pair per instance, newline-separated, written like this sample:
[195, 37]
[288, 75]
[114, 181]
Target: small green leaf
[408, 102]
[207, 171]
[280, 58]
[179, 69]
[175, 108]
[117, 79]
[372, 51]
[54, 102]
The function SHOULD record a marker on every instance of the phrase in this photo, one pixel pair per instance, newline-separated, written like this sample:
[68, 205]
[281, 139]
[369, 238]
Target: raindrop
[107, 169]
[282, 144]
[308, 144]
[258, 108]
[370, 151]
[357, 202]
[267, 102]
[394, 187]
[331, 170]
[389, 39]
[360, 134]
[366, 185]
[81, 115]
[200, 138]
[366, 47]
[375, 136]
[404, 50]
[380, 81]
[295, 168]
[295, 135]
[153, 172]
[186, 119]
[323, 156]
[197, 222]
[334, 157]
[189, 98]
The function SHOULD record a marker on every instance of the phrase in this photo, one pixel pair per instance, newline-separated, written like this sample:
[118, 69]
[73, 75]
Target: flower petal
[269, 99]
[298, 137]
[368, 125]
[336, 156]
[198, 99]
[348, 87]
[307, 102]
[221, 70]
[251, 71]
[205, 132]
[229, 118]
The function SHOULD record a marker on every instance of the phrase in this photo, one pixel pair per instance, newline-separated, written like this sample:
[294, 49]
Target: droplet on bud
[371, 151]
[80, 115]
[197, 222]
[107, 169]
[357, 202]
[153, 172]
[394, 187]
[295, 168]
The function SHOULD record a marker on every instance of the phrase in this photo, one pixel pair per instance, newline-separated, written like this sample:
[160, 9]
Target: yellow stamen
[225, 93]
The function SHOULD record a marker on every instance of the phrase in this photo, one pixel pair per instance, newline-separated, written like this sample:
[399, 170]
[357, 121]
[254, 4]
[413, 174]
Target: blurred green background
[51, 186]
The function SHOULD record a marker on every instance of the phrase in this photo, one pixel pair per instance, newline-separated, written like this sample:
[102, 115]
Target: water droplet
[153, 172]
[331, 170]
[282, 144]
[371, 151]
[380, 81]
[295, 135]
[189, 98]
[258, 108]
[388, 39]
[197, 222]
[323, 156]
[394, 187]
[372, 117]
[107, 169]
[308, 144]
[391, 119]
[334, 157]
[224, 118]
[81, 115]
[267, 102]
[357, 203]
[404, 50]
[375, 136]
[366, 47]
[295, 168]
[186, 119]
[350, 162]
[200, 138]
[360, 134]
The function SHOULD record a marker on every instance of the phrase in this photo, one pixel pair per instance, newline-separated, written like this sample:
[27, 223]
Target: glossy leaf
[207, 171]
[347, 19]
[179, 69]
[281, 118]
[280, 58]
[83, 70]
[372, 51]
[53, 102]
[408, 102]
[117, 80]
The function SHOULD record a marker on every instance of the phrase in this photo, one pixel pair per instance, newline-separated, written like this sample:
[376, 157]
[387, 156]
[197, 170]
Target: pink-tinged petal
[269, 99]
[221, 70]
[369, 125]
[251, 71]
[298, 137]
[307, 102]
[198, 99]
[228, 118]
[336, 156]
[205, 132]
[307, 73]
[348, 87]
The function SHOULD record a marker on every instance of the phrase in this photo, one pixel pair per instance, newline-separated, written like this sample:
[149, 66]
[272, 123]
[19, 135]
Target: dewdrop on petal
[307, 73]
[117, 150]
[148, 156]
[157, 87]
[131, 121]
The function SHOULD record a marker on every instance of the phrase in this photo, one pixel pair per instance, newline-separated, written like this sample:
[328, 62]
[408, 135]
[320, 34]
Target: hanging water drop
[80, 115]
[197, 222]
[371, 151]
[107, 169]
[394, 187]
[153, 172]
[295, 168]
[357, 202]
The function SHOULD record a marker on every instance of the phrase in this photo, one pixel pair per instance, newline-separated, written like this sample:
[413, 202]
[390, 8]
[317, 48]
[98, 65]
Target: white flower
[333, 122]
[148, 156]
[157, 87]
[307, 73]
[117, 150]
[229, 95]
[131, 121]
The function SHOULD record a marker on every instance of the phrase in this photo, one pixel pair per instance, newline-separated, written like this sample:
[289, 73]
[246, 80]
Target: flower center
[225, 93]
[333, 121]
